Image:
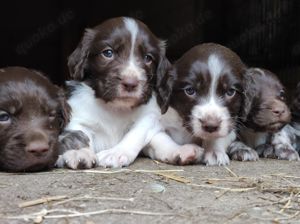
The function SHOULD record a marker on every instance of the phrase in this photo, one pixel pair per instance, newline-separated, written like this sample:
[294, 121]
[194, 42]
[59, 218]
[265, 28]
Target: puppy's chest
[105, 128]
[254, 139]
[174, 126]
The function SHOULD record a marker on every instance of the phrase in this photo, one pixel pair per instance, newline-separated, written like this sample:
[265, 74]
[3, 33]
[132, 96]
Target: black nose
[211, 126]
[129, 84]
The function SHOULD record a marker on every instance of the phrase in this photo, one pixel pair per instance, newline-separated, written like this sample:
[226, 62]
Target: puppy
[204, 93]
[30, 119]
[114, 112]
[265, 112]
[286, 142]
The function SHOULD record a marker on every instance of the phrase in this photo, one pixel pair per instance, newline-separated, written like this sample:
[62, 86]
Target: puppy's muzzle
[210, 125]
[129, 84]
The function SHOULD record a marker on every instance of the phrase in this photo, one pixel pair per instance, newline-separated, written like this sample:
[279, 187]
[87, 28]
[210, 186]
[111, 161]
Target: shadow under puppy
[265, 113]
[30, 120]
[203, 97]
[114, 112]
[287, 141]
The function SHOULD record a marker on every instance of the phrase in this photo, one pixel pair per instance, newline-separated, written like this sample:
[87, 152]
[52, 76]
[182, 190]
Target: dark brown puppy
[30, 108]
[265, 112]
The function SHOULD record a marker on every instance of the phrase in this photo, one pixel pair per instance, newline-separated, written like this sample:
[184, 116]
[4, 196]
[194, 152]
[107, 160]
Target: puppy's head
[265, 108]
[206, 89]
[121, 59]
[29, 120]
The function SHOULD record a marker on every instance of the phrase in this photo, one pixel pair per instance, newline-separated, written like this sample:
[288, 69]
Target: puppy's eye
[108, 53]
[282, 94]
[231, 92]
[4, 117]
[148, 59]
[190, 91]
[52, 116]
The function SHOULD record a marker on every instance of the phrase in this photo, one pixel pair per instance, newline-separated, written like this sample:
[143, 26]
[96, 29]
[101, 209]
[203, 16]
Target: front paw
[212, 158]
[187, 154]
[286, 153]
[83, 158]
[242, 152]
[266, 151]
[282, 151]
[114, 158]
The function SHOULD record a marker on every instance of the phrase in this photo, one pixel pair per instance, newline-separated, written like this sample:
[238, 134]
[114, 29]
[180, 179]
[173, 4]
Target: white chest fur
[173, 125]
[104, 125]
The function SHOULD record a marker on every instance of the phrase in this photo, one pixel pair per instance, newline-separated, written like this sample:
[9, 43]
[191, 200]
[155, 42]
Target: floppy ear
[64, 109]
[78, 59]
[164, 88]
[249, 92]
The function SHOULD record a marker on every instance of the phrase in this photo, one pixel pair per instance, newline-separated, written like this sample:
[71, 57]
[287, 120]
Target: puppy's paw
[187, 154]
[287, 153]
[114, 158]
[239, 151]
[212, 158]
[72, 140]
[266, 151]
[83, 158]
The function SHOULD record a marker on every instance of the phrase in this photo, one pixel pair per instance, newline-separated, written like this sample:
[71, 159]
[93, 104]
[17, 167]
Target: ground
[267, 191]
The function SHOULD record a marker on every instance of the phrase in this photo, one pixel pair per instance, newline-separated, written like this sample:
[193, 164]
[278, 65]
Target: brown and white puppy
[265, 112]
[30, 118]
[204, 94]
[114, 113]
[286, 142]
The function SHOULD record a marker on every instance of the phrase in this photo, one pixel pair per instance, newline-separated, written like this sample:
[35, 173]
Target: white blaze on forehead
[215, 68]
[132, 27]
[132, 68]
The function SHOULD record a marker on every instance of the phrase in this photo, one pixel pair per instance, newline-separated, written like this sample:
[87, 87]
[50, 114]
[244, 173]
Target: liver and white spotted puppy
[204, 95]
[114, 113]
[265, 113]
[287, 141]
[30, 120]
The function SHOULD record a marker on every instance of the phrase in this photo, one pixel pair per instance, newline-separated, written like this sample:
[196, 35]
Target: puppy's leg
[215, 150]
[283, 142]
[163, 148]
[74, 151]
[239, 151]
[124, 153]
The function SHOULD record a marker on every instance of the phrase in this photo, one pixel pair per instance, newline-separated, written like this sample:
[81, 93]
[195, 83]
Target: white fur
[216, 150]
[132, 68]
[173, 145]
[117, 136]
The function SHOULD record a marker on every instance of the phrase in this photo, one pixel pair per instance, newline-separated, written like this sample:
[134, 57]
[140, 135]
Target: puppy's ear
[164, 88]
[64, 112]
[164, 81]
[77, 61]
[249, 93]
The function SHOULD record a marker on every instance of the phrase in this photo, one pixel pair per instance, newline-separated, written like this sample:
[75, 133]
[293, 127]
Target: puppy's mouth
[275, 126]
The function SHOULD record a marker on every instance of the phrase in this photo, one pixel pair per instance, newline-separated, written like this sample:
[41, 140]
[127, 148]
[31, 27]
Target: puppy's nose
[129, 83]
[211, 126]
[278, 111]
[37, 148]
